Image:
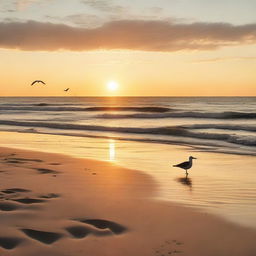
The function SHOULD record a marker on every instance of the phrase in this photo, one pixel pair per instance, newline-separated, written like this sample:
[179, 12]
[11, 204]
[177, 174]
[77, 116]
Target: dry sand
[55, 205]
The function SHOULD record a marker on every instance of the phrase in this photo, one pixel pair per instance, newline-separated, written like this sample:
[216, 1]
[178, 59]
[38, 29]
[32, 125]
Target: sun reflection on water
[112, 151]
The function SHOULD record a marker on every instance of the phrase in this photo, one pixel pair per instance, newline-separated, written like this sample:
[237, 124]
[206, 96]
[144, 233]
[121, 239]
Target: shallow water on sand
[223, 184]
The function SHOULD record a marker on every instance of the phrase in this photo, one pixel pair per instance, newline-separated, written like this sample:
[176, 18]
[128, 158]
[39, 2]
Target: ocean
[151, 134]
[221, 124]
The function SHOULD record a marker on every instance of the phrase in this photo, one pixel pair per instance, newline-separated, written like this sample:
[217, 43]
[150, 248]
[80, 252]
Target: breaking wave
[184, 114]
[177, 131]
[47, 107]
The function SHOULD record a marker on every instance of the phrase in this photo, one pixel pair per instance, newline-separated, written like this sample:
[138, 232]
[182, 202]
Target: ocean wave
[136, 109]
[197, 145]
[250, 128]
[172, 131]
[140, 112]
[184, 114]
[47, 107]
[41, 108]
[41, 104]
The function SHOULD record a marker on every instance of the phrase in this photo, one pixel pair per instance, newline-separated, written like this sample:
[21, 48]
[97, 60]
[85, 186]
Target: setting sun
[112, 86]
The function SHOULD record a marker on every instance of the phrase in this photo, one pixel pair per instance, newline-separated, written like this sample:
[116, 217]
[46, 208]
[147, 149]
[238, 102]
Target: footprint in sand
[96, 227]
[105, 224]
[50, 196]
[29, 200]
[42, 236]
[22, 160]
[15, 190]
[78, 231]
[14, 194]
[46, 171]
[11, 194]
[9, 242]
[8, 207]
[9, 161]
[55, 164]
[83, 231]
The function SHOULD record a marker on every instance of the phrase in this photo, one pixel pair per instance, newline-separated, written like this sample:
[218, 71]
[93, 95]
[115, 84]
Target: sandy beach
[53, 204]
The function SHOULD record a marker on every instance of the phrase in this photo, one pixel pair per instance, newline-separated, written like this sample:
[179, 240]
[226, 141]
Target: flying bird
[66, 90]
[38, 81]
[186, 165]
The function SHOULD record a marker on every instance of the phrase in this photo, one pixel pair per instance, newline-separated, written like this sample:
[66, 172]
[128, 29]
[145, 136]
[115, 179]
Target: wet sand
[52, 204]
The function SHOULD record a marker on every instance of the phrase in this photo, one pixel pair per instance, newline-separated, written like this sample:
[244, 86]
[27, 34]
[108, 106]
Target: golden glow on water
[112, 151]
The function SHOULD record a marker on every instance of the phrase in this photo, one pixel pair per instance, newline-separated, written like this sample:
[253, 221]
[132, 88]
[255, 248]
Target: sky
[148, 47]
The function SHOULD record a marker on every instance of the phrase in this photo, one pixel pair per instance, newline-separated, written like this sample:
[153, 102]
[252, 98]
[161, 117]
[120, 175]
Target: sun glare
[112, 86]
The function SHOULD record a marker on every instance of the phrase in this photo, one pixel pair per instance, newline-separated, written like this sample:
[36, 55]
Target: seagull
[185, 165]
[38, 81]
[66, 90]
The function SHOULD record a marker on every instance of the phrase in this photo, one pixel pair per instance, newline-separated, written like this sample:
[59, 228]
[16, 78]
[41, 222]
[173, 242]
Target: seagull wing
[38, 81]
[182, 165]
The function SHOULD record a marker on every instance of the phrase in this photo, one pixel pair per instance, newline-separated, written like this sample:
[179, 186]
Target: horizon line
[138, 96]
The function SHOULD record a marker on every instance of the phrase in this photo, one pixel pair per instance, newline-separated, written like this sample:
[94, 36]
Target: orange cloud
[125, 34]
[22, 4]
[225, 59]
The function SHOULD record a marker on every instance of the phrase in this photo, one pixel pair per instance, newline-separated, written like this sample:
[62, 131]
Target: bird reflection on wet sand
[185, 181]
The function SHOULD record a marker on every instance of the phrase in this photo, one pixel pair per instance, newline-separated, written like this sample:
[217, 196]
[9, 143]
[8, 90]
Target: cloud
[92, 21]
[125, 34]
[251, 58]
[104, 6]
[23, 4]
[82, 20]
[156, 10]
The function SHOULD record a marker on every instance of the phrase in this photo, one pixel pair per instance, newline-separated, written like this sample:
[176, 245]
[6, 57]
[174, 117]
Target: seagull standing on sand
[186, 165]
[66, 90]
[38, 81]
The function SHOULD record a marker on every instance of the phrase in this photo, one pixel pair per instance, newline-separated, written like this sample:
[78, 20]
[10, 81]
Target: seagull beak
[194, 158]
